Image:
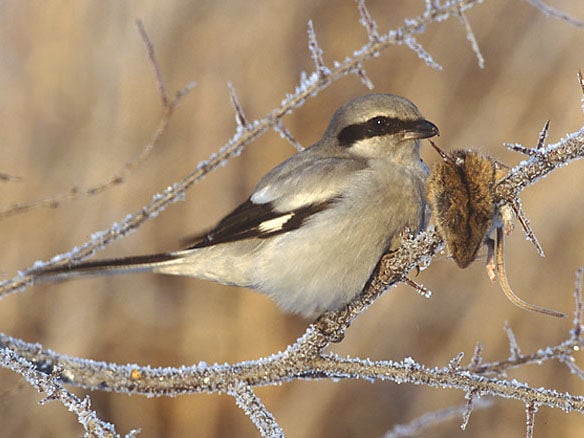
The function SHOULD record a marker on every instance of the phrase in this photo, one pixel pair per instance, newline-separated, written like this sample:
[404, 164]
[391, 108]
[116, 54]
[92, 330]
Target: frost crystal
[411, 42]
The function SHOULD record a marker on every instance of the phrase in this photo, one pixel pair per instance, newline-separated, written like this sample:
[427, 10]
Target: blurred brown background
[78, 101]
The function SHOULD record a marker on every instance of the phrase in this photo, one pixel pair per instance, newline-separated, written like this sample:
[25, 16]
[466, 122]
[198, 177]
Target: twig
[477, 357]
[121, 175]
[154, 63]
[455, 362]
[413, 44]
[281, 129]
[471, 396]
[368, 22]
[530, 171]
[49, 384]
[513, 346]
[316, 52]
[579, 311]
[470, 36]
[256, 411]
[530, 411]
[555, 13]
[570, 362]
[415, 427]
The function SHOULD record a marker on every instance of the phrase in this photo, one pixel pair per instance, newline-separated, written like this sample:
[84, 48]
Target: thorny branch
[51, 384]
[307, 359]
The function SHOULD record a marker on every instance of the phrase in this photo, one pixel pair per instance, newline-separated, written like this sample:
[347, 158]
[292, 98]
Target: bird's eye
[377, 124]
[378, 121]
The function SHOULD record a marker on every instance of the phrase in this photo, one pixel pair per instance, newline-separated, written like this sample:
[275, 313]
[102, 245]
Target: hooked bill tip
[421, 128]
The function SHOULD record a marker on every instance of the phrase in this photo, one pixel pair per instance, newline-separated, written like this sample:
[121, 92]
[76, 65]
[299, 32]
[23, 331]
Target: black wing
[251, 220]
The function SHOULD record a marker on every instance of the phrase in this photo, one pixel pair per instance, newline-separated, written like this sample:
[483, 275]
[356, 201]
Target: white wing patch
[263, 195]
[276, 224]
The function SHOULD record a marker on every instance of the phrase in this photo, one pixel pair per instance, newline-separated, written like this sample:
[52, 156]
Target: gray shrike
[312, 232]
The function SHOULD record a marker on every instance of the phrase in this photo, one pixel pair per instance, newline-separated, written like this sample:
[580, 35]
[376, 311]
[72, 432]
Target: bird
[313, 230]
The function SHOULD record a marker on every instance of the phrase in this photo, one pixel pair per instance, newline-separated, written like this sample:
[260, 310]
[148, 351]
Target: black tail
[124, 265]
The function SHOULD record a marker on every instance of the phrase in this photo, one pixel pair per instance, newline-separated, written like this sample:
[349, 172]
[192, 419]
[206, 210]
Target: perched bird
[313, 230]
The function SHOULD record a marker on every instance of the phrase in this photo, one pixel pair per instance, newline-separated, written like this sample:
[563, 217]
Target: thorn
[516, 147]
[182, 93]
[240, 117]
[520, 214]
[316, 52]
[542, 136]
[477, 357]
[513, 345]
[454, 363]
[368, 22]
[360, 72]
[443, 154]
[532, 152]
[287, 135]
[420, 289]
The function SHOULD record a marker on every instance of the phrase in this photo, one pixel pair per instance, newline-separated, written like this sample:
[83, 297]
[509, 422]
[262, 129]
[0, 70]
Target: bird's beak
[420, 128]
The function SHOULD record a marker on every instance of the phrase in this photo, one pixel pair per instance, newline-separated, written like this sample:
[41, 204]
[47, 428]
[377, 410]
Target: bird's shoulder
[306, 179]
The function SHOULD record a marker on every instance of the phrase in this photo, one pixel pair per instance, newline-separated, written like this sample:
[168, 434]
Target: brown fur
[460, 194]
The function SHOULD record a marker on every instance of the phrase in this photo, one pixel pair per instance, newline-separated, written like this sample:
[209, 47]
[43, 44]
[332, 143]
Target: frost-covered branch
[256, 411]
[306, 358]
[539, 165]
[530, 411]
[555, 13]
[50, 384]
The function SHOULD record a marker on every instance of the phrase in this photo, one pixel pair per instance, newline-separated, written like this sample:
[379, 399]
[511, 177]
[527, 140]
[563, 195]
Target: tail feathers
[125, 265]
